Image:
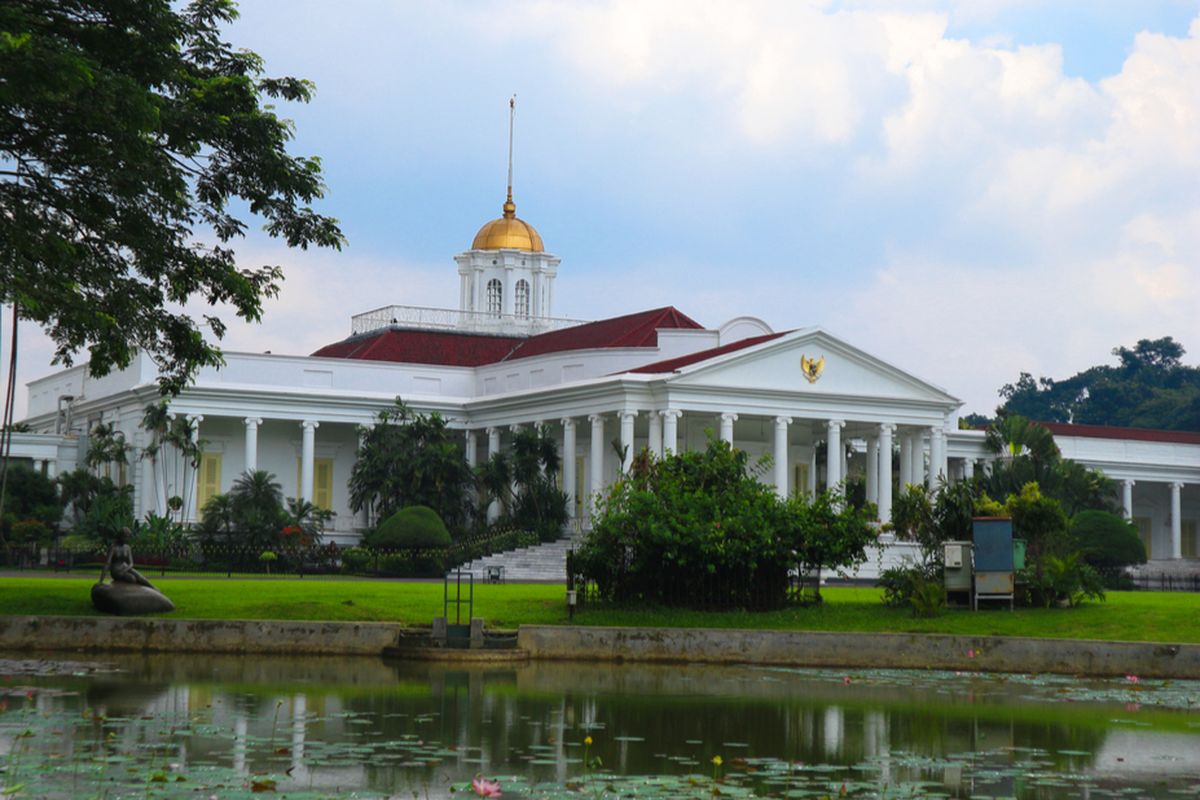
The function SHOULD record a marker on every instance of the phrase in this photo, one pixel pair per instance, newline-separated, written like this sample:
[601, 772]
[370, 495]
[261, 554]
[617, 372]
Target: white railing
[452, 319]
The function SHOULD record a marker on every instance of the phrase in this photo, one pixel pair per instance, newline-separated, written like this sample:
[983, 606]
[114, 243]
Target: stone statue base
[129, 598]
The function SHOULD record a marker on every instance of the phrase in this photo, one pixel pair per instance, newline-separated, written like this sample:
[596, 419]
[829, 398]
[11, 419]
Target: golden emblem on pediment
[812, 368]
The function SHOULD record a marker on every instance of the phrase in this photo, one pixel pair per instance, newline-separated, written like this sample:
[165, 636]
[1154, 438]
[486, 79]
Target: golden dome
[508, 232]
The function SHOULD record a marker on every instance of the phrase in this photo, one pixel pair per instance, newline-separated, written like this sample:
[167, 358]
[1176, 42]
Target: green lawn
[1132, 616]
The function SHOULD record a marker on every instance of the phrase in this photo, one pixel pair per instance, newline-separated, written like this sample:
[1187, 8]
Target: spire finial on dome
[510, 208]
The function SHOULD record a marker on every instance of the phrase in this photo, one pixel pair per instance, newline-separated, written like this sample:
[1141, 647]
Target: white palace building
[655, 379]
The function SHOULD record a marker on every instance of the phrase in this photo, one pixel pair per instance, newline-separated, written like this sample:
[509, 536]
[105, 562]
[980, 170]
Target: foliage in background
[1109, 543]
[173, 451]
[697, 529]
[929, 520]
[96, 507]
[127, 127]
[932, 520]
[32, 508]
[415, 527]
[253, 514]
[106, 446]
[1028, 454]
[408, 458]
[1150, 387]
[525, 484]
[827, 531]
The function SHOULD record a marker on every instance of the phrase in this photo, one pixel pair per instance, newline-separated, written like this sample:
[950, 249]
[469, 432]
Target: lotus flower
[485, 788]
[1132, 678]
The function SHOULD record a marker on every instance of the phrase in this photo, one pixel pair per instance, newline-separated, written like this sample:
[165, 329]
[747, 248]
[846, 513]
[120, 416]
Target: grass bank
[1126, 616]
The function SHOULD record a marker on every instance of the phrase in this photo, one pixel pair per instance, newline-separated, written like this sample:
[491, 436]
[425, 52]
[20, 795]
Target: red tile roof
[1135, 434]
[446, 348]
[674, 364]
[632, 330]
[451, 348]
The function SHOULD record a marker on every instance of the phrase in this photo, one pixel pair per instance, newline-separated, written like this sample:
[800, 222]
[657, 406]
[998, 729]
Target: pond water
[227, 727]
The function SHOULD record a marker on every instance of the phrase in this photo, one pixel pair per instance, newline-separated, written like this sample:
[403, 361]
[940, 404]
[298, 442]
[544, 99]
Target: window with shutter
[322, 496]
[209, 482]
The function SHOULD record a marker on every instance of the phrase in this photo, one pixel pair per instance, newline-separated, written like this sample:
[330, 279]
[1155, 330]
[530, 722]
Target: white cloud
[971, 330]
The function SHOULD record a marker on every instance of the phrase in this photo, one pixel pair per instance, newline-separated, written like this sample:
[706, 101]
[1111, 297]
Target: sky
[967, 189]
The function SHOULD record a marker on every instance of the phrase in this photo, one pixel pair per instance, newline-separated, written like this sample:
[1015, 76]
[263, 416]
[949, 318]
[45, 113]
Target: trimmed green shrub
[412, 528]
[1108, 543]
[357, 560]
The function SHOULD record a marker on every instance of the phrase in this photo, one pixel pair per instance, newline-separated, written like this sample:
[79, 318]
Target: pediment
[777, 365]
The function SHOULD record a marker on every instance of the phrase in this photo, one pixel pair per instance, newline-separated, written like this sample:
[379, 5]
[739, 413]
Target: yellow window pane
[323, 483]
[209, 478]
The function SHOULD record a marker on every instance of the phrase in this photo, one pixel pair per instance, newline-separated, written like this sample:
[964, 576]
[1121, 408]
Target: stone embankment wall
[861, 650]
[651, 645]
[155, 635]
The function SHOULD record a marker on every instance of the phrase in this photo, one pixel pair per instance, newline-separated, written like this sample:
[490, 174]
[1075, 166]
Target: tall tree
[408, 459]
[131, 136]
[1150, 387]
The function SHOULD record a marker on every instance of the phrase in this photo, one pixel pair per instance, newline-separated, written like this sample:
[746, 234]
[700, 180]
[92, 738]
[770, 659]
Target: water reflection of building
[969, 735]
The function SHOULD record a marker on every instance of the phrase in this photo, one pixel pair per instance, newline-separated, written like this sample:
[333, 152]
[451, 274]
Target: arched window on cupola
[495, 292]
[522, 298]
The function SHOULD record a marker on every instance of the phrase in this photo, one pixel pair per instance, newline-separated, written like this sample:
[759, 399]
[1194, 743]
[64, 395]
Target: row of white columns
[663, 438]
[47, 465]
[308, 442]
[1176, 520]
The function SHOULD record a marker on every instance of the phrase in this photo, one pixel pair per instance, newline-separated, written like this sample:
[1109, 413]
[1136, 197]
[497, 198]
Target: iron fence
[231, 559]
[1166, 582]
[699, 590]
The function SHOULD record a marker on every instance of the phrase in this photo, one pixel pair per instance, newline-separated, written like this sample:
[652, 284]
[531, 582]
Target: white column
[833, 452]
[507, 292]
[812, 473]
[917, 454]
[51, 469]
[470, 448]
[190, 510]
[1176, 521]
[252, 424]
[568, 462]
[656, 433]
[873, 470]
[627, 418]
[514, 430]
[493, 434]
[905, 461]
[671, 429]
[597, 453]
[968, 468]
[727, 420]
[781, 455]
[38, 465]
[885, 472]
[1127, 498]
[937, 453]
[307, 447]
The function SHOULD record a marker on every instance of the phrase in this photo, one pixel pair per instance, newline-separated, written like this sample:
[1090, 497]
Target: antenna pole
[512, 113]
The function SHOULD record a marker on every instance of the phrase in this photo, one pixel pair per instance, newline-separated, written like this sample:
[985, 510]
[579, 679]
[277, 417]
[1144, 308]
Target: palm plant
[526, 484]
[174, 453]
[307, 520]
[217, 518]
[257, 508]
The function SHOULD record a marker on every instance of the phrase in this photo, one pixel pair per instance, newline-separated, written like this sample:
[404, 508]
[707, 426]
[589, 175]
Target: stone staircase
[539, 563]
